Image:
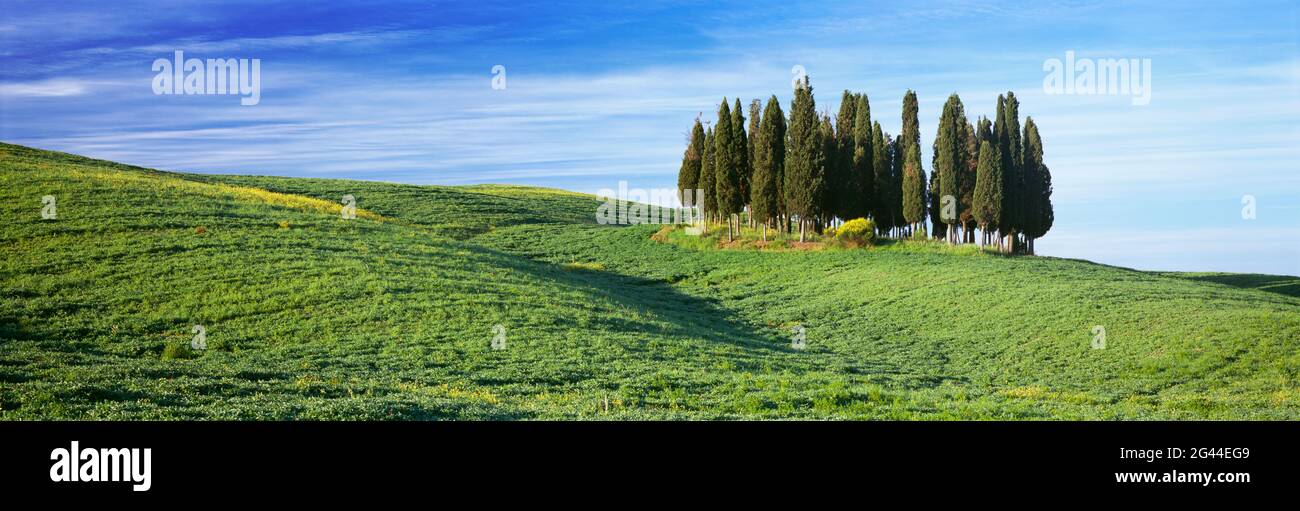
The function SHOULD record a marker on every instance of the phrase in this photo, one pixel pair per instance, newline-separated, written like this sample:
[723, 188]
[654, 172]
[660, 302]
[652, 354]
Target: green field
[391, 315]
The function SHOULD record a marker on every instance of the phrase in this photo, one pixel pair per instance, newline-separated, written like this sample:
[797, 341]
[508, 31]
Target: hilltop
[391, 315]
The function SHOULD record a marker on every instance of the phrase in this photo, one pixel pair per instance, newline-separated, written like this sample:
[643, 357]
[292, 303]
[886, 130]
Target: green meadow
[392, 315]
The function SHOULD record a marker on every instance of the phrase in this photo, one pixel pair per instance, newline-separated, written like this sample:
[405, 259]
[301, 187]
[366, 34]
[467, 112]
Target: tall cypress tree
[844, 187]
[911, 134]
[740, 154]
[1007, 129]
[831, 189]
[896, 159]
[689, 175]
[882, 201]
[804, 160]
[948, 160]
[779, 141]
[863, 173]
[1037, 213]
[967, 177]
[936, 224]
[755, 111]
[769, 157]
[988, 186]
[913, 187]
[726, 168]
[708, 175]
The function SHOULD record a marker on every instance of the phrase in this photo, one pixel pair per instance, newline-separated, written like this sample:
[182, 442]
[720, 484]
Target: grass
[391, 315]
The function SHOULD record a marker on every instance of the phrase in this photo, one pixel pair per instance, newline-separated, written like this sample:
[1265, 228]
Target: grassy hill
[391, 315]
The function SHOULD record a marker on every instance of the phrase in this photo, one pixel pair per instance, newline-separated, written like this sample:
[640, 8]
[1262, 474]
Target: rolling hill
[392, 315]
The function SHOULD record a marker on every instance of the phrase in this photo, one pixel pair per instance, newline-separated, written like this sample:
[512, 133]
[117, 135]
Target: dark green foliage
[936, 225]
[1037, 214]
[966, 176]
[881, 184]
[688, 177]
[913, 186]
[755, 112]
[769, 157]
[948, 157]
[804, 160]
[984, 132]
[843, 186]
[1007, 129]
[913, 181]
[988, 185]
[708, 174]
[863, 164]
[911, 133]
[740, 158]
[831, 189]
[726, 169]
[896, 158]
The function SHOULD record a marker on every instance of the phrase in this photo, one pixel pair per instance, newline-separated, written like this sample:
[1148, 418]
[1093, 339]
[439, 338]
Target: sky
[595, 93]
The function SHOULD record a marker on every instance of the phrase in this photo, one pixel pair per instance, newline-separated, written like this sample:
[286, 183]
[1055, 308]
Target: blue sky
[602, 92]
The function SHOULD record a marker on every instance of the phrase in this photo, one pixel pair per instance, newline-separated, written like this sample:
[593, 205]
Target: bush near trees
[987, 184]
[856, 230]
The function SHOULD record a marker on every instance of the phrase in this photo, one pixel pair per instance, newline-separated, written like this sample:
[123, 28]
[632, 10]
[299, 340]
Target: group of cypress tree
[808, 172]
[995, 174]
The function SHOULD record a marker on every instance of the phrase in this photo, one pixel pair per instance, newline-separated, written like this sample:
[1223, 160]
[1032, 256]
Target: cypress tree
[863, 173]
[988, 186]
[911, 134]
[689, 175]
[913, 186]
[708, 180]
[1007, 129]
[947, 162]
[804, 160]
[769, 157]
[880, 184]
[1037, 213]
[967, 177]
[844, 188]
[755, 110]
[896, 158]
[726, 168]
[779, 141]
[740, 152]
[831, 189]
[936, 224]
[984, 131]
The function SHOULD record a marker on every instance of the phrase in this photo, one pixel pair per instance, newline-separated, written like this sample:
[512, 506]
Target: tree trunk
[764, 232]
[801, 222]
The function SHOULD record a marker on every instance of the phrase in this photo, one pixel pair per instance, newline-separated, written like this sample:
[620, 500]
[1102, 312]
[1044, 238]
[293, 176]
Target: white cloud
[44, 88]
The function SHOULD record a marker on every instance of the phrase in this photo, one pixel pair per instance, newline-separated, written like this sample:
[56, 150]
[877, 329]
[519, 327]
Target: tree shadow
[687, 315]
[1280, 284]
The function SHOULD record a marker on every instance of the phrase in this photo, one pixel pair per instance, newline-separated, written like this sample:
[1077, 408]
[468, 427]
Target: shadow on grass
[1280, 284]
[687, 315]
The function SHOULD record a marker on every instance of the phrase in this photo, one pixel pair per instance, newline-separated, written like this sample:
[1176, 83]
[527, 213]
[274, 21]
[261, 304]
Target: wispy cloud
[44, 88]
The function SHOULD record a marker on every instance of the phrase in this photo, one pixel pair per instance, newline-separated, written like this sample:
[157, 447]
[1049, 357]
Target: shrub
[178, 351]
[858, 230]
